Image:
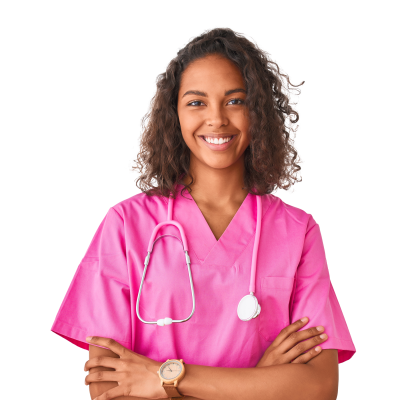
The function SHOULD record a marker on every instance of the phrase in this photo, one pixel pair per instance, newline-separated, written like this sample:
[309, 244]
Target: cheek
[189, 125]
[239, 118]
[181, 116]
[244, 121]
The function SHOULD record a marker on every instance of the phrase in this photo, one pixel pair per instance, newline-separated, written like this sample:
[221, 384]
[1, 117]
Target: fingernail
[323, 336]
[317, 348]
[304, 319]
[89, 338]
[320, 328]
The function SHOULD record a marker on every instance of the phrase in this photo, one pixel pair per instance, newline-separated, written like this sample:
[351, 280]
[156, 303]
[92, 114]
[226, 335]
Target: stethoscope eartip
[164, 321]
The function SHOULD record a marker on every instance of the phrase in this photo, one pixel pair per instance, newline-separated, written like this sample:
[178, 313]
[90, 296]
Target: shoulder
[291, 224]
[139, 205]
[289, 214]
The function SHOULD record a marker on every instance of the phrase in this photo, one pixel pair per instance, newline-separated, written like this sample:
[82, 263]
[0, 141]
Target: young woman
[215, 146]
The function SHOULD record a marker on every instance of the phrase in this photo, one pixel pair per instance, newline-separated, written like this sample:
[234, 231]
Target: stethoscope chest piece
[248, 308]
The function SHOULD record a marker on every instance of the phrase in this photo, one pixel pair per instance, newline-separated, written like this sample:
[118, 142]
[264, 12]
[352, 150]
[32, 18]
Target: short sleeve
[315, 298]
[97, 302]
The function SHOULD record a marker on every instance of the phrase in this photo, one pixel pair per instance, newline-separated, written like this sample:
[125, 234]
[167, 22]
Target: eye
[238, 101]
[195, 103]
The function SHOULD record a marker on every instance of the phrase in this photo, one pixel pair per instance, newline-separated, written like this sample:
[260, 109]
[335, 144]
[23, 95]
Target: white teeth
[217, 141]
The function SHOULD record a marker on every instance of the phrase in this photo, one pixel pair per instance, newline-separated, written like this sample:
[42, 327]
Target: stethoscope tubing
[166, 321]
[170, 221]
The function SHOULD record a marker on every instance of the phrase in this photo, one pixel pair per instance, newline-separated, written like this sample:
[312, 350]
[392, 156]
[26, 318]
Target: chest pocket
[275, 301]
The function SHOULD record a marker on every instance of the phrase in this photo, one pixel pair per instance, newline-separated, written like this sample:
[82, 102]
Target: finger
[104, 376]
[109, 343]
[299, 336]
[102, 361]
[302, 347]
[111, 394]
[285, 332]
[305, 358]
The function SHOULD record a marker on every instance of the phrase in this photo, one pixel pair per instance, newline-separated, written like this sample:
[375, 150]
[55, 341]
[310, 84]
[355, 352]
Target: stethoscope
[248, 307]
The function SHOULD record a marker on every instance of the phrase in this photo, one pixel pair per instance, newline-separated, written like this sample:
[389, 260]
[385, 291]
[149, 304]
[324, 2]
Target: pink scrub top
[292, 281]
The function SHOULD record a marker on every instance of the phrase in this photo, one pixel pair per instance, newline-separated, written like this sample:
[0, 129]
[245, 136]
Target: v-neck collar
[203, 245]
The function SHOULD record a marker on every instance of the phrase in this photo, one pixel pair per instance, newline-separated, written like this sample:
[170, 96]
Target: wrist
[171, 374]
[161, 391]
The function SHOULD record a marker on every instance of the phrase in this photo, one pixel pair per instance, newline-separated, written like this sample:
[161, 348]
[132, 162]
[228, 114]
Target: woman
[214, 147]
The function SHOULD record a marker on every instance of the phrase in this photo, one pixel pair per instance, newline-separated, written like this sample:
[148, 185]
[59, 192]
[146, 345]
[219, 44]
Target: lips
[218, 142]
[217, 137]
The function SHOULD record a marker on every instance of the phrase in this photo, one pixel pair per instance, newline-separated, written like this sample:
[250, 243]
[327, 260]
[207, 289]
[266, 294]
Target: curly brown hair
[270, 159]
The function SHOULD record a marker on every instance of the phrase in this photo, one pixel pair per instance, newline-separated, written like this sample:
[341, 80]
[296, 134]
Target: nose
[216, 117]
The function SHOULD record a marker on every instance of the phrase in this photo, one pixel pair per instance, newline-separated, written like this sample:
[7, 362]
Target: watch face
[171, 370]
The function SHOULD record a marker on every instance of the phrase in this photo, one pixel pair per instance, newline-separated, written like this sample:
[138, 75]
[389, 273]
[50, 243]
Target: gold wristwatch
[171, 373]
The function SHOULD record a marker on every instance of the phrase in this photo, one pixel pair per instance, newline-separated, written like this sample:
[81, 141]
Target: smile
[220, 140]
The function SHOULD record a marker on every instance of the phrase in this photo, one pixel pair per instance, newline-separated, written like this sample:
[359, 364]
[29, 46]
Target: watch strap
[172, 391]
[172, 388]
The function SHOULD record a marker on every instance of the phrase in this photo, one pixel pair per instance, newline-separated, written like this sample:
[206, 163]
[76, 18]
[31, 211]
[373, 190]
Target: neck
[219, 186]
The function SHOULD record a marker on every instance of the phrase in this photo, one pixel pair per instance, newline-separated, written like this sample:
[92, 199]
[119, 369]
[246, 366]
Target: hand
[136, 374]
[288, 346]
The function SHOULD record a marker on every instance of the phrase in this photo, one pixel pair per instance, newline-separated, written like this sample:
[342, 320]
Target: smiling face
[214, 120]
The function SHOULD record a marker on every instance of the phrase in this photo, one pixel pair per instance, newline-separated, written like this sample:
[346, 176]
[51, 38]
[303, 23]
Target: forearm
[279, 382]
[98, 388]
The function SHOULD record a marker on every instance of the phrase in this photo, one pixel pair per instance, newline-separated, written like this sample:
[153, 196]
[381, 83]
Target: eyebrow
[204, 94]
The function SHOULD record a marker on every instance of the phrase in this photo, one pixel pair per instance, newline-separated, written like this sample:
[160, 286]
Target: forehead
[211, 72]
